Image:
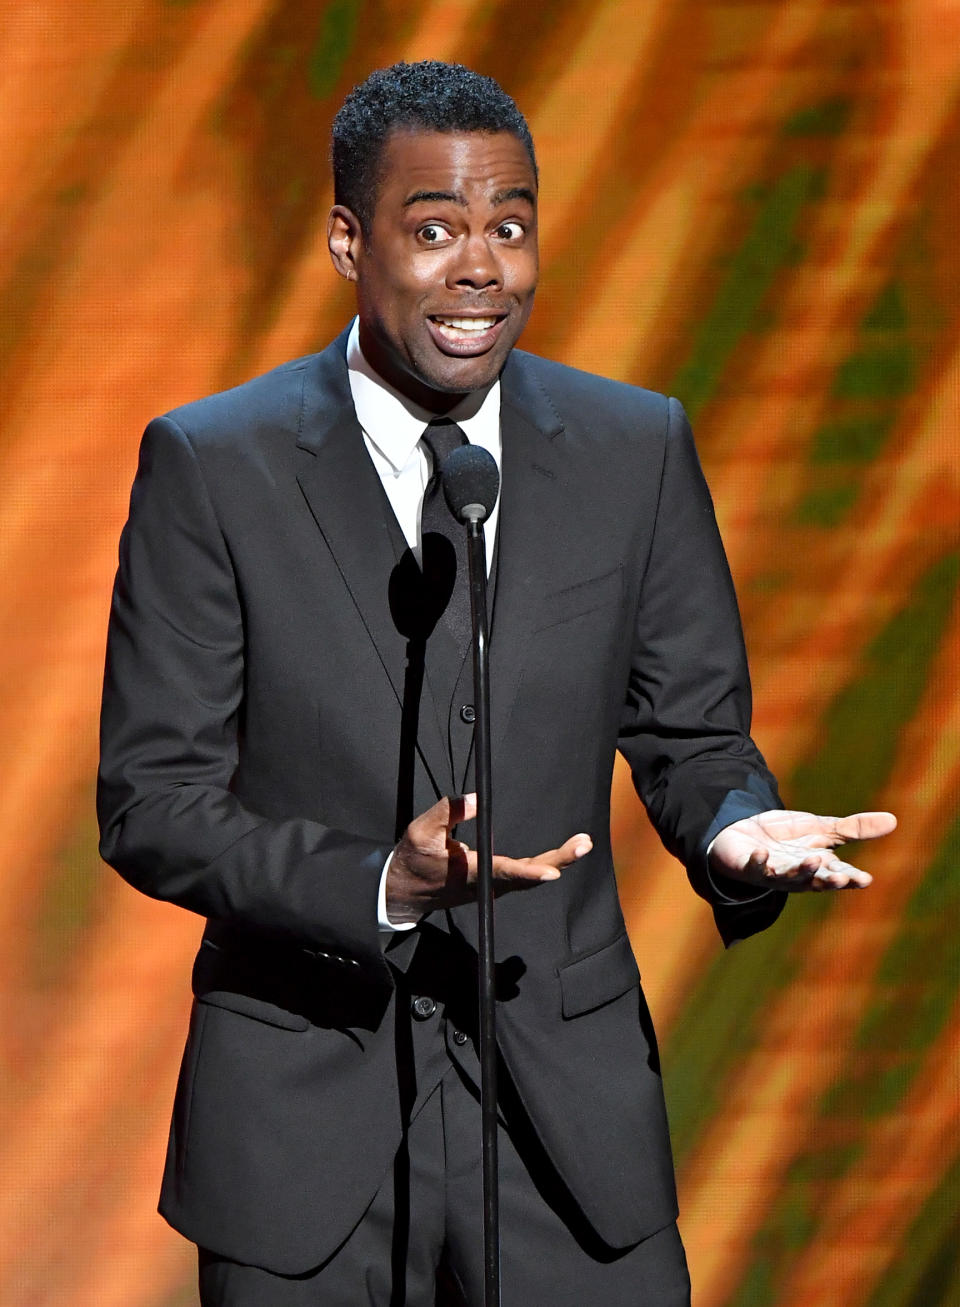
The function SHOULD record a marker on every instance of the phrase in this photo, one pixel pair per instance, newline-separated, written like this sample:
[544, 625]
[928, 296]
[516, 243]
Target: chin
[461, 379]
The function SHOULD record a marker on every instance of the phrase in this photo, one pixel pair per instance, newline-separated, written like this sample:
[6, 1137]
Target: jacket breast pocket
[589, 981]
[580, 599]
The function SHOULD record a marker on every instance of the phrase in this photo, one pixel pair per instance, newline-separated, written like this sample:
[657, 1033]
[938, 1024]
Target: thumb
[462, 807]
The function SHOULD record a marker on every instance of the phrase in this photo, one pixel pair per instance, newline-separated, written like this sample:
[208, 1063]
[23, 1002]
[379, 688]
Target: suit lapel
[534, 500]
[348, 503]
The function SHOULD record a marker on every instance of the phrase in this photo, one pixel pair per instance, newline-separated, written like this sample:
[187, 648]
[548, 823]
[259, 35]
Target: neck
[405, 384]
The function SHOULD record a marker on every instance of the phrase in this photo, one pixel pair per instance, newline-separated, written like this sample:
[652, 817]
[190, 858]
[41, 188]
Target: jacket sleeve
[685, 729]
[170, 736]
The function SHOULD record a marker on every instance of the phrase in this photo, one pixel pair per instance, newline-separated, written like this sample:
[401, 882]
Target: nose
[478, 267]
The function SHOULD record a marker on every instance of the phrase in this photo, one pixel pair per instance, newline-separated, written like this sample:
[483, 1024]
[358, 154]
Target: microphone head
[471, 483]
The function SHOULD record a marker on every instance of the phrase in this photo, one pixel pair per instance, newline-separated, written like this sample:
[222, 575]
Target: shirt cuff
[383, 920]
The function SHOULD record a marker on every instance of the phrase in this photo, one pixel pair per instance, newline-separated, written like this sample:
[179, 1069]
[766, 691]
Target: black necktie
[443, 538]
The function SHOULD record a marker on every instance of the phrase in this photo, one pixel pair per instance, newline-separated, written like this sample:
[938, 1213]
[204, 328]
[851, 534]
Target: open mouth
[464, 328]
[466, 334]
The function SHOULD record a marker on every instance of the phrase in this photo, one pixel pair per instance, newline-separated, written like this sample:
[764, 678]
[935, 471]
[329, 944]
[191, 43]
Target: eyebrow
[455, 197]
[516, 193]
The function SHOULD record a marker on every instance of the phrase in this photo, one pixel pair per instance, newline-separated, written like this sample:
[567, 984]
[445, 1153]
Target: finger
[757, 862]
[522, 872]
[865, 825]
[445, 814]
[769, 867]
[835, 874]
[577, 846]
[784, 866]
[461, 807]
[793, 860]
[820, 831]
[830, 875]
[827, 832]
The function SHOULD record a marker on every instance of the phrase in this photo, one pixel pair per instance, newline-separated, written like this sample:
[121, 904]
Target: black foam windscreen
[471, 481]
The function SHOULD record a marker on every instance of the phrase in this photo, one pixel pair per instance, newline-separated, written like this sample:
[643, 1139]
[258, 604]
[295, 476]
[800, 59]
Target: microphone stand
[477, 559]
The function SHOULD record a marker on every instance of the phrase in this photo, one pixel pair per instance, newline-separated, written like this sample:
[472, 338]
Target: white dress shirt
[392, 426]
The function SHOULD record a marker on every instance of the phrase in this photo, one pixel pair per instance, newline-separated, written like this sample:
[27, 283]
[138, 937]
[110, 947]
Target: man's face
[448, 267]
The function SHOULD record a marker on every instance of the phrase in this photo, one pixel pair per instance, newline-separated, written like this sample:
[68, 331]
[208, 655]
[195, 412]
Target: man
[287, 751]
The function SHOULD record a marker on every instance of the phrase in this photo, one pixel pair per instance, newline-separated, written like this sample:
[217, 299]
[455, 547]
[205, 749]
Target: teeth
[466, 324]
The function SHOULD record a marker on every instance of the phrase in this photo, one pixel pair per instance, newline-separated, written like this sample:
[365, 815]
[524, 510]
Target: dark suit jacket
[252, 724]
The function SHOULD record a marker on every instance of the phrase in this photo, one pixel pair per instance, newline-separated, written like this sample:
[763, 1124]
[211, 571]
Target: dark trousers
[428, 1215]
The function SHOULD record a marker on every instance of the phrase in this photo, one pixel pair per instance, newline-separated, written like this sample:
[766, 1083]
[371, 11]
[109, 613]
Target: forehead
[477, 166]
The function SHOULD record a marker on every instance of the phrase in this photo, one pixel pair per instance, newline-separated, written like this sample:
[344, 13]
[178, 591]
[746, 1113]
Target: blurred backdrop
[752, 205]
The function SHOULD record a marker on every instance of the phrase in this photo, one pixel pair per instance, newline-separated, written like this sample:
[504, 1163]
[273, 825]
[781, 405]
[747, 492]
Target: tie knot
[442, 437]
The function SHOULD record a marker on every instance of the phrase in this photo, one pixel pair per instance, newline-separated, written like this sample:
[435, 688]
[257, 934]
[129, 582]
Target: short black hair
[428, 96]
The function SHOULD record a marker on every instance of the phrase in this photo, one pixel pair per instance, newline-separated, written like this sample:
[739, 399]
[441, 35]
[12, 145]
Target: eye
[510, 231]
[433, 234]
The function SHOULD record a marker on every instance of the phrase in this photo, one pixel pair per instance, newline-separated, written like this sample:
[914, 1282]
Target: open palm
[795, 850]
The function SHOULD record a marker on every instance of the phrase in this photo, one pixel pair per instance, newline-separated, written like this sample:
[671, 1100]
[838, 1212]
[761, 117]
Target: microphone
[471, 483]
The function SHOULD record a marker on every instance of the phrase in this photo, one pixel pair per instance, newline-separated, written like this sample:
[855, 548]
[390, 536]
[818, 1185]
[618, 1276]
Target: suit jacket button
[460, 1038]
[423, 1007]
[468, 714]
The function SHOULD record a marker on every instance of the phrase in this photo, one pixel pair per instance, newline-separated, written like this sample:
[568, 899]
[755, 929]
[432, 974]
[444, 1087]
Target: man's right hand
[429, 870]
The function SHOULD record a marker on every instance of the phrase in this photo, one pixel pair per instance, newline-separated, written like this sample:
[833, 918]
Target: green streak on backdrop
[867, 393]
[827, 506]
[338, 28]
[914, 992]
[863, 724]
[828, 118]
[878, 372]
[901, 1022]
[892, 1031]
[718, 1026]
[69, 902]
[889, 312]
[855, 439]
[768, 246]
[928, 1274]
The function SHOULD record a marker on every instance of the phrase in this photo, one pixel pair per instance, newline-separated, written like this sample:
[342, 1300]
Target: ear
[344, 240]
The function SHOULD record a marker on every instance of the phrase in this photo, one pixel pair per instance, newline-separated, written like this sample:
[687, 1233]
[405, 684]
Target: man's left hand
[794, 850]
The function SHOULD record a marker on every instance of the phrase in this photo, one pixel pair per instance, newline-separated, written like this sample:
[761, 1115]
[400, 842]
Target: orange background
[751, 204]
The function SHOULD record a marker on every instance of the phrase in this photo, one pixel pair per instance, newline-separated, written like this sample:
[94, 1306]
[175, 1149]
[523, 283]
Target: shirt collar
[394, 424]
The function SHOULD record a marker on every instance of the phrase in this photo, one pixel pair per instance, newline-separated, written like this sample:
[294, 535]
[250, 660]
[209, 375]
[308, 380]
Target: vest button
[468, 714]
[423, 1007]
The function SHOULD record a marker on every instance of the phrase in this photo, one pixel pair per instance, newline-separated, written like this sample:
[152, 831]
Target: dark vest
[431, 962]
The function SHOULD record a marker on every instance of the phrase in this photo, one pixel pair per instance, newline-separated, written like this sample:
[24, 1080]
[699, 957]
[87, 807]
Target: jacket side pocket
[589, 981]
